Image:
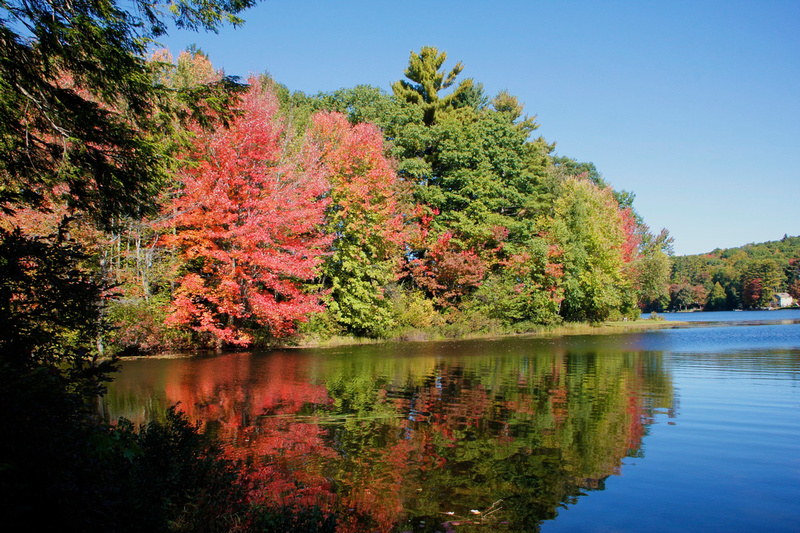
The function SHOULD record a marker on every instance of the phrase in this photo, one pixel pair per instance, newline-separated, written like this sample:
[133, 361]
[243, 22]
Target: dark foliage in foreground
[62, 467]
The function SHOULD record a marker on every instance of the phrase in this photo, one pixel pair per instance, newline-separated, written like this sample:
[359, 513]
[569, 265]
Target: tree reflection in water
[420, 442]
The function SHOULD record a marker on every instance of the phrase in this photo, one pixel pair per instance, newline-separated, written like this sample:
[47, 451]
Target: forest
[278, 216]
[746, 277]
[153, 203]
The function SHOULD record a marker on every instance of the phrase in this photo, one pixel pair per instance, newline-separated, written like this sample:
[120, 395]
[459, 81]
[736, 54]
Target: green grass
[438, 334]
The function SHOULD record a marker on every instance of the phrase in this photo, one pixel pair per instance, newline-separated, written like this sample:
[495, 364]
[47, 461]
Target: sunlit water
[691, 429]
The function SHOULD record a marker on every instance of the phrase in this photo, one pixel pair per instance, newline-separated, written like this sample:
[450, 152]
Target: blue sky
[693, 106]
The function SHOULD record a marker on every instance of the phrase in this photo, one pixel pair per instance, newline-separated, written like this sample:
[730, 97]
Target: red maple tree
[366, 191]
[447, 272]
[246, 221]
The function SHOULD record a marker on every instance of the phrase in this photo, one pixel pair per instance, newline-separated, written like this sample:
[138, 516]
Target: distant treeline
[747, 277]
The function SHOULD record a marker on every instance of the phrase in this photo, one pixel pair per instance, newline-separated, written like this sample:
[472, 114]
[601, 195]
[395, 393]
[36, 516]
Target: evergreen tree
[717, 299]
[427, 80]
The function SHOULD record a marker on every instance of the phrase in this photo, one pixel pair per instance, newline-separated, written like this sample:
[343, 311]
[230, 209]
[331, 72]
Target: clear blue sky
[692, 105]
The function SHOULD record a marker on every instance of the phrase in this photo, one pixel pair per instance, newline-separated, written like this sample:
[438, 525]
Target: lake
[695, 428]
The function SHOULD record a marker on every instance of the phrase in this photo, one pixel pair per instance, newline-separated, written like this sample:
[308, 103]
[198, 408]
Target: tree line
[269, 215]
[746, 277]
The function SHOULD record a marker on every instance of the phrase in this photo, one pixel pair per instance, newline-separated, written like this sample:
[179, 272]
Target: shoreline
[563, 330]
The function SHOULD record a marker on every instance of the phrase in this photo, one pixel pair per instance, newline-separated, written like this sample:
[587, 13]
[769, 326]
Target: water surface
[759, 316]
[680, 429]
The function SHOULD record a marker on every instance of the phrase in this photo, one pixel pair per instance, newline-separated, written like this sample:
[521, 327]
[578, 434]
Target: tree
[794, 289]
[428, 81]
[474, 163]
[738, 269]
[761, 278]
[477, 170]
[364, 219]
[588, 226]
[192, 70]
[652, 269]
[362, 103]
[527, 288]
[699, 295]
[247, 222]
[484, 174]
[446, 272]
[563, 166]
[474, 166]
[48, 310]
[681, 297]
[80, 115]
[752, 289]
[792, 271]
[717, 299]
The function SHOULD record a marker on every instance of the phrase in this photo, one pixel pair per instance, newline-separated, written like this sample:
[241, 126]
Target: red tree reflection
[378, 456]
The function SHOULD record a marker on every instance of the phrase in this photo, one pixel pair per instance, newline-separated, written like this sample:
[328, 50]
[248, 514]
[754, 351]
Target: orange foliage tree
[246, 222]
[364, 218]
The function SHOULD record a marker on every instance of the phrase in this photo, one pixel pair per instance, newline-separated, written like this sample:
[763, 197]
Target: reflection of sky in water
[692, 339]
[733, 316]
[731, 338]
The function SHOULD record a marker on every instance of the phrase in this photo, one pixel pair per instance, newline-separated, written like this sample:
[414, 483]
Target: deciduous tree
[247, 221]
[526, 289]
[364, 219]
[446, 272]
[652, 269]
[589, 227]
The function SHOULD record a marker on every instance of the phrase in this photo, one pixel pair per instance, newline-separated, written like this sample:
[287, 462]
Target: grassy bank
[436, 334]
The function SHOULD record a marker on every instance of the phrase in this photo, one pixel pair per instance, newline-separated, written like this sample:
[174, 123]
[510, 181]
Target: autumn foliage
[246, 220]
[365, 193]
[364, 218]
[446, 272]
[291, 212]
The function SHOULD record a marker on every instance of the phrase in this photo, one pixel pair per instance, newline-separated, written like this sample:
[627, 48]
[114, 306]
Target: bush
[139, 327]
[414, 310]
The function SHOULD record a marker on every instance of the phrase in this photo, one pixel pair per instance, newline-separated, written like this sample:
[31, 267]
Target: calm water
[692, 428]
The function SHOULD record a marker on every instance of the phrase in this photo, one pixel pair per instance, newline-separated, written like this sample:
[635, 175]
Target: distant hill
[736, 278]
